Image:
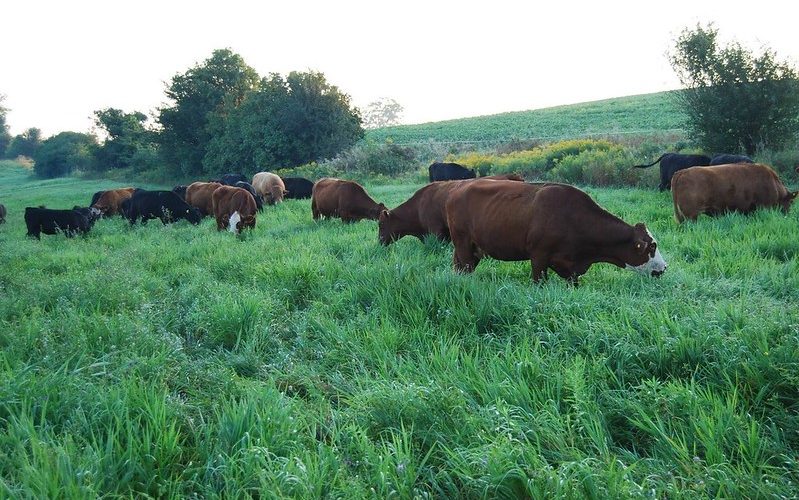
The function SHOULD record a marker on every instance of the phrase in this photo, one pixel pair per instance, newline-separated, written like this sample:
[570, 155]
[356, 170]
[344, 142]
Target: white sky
[62, 60]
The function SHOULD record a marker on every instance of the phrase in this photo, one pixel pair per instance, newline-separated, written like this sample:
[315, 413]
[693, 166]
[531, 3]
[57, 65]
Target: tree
[383, 112]
[285, 122]
[127, 142]
[64, 153]
[5, 136]
[25, 144]
[735, 100]
[199, 95]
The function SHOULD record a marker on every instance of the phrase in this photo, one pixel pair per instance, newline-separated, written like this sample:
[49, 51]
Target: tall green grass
[305, 360]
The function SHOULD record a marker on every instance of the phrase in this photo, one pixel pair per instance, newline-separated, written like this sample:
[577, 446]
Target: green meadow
[304, 360]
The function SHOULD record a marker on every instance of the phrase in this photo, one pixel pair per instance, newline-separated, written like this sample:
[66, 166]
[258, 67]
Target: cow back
[198, 195]
[298, 188]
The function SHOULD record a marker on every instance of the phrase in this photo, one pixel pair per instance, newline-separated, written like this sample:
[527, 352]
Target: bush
[64, 153]
[373, 158]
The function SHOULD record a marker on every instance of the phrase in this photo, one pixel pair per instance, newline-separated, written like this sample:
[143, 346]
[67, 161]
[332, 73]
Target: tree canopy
[198, 96]
[64, 153]
[284, 122]
[25, 144]
[127, 141]
[735, 101]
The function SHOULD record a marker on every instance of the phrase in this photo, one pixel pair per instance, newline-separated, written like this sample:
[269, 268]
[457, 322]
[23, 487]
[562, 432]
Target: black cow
[259, 200]
[2, 214]
[180, 190]
[164, 205]
[449, 172]
[232, 179]
[79, 220]
[725, 159]
[96, 196]
[298, 187]
[672, 162]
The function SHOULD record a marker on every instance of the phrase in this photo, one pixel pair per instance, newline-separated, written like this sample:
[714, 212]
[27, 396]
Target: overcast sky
[62, 60]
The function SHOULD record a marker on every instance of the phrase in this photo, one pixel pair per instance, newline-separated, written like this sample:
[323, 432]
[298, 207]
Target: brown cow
[198, 195]
[270, 186]
[344, 199]
[555, 226]
[234, 209]
[110, 202]
[740, 187]
[423, 213]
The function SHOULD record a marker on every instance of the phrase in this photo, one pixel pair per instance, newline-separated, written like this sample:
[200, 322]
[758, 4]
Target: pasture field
[639, 115]
[304, 360]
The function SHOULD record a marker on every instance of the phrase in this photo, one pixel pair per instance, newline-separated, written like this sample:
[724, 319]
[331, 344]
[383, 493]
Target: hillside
[648, 113]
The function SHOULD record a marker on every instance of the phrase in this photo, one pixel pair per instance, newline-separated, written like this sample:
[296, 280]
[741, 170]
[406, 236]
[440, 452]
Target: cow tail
[645, 166]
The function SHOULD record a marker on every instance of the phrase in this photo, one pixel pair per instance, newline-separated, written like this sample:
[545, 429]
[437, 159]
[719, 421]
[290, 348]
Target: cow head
[385, 226]
[642, 254]
[787, 200]
[233, 222]
[193, 215]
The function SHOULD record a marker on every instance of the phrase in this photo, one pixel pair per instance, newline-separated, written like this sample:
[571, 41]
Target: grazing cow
[423, 213]
[110, 201]
[96, 196]
[164, 205]
[449, 171]
[259, 200]
[78, 220]
[232, 179]
[180, 190]
[297, 188]
[673, 162]
[234, 209]
[198, 195]
[2, 214]
[344, 199]
[555, 226]
[741, 187]
[726, 159]
[270, 186]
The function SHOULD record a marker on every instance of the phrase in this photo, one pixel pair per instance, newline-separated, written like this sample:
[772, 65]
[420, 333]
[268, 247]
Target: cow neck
[609, 229]
[407, 214]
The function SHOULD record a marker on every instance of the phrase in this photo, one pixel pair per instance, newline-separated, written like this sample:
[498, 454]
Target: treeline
[222, 117]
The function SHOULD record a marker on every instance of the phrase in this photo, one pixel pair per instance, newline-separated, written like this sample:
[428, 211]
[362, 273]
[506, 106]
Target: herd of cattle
[555, 226]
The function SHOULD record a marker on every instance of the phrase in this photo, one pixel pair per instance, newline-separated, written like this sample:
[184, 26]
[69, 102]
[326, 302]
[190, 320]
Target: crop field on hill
[647, 114]
[306, 360]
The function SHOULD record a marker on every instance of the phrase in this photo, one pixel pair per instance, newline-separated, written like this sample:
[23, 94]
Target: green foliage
[308, 361]
[371, 158]
[735, 100]
[64, 153]
[579, 161]
[128, 142]
[285, 122]
[25, 144]
[5, 135]
[198, 95]
[649, 115]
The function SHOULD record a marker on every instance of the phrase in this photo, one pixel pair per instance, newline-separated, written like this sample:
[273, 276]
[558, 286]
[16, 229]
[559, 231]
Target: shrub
[374, 158]
[64, 153]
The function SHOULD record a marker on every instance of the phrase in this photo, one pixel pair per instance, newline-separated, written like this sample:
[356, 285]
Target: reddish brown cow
[423, 213]
[234, 209]
[199, 194]
[110, 202]
[344, 199]
[740, 187]
[555, 226]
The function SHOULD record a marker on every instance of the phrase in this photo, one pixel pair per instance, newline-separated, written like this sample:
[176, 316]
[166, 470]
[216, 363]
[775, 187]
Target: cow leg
[539, 264]
[464, 257]
[314, 210]
[221, 223]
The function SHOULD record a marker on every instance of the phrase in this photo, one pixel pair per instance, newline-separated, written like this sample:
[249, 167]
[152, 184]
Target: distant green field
[305, 360]
[648, 114]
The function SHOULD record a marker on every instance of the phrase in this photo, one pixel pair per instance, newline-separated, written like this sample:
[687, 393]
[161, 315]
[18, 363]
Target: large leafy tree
[285, 122]
[64, 153]
[383, 112]
[127, 138]
[5, 135]
[735, 101]
[25, 144]
[199, 96]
